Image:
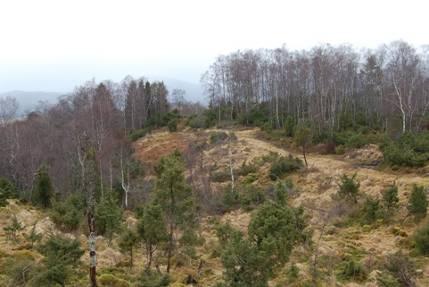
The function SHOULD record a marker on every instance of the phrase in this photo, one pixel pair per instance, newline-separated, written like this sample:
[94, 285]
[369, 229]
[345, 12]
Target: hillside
[334, 237]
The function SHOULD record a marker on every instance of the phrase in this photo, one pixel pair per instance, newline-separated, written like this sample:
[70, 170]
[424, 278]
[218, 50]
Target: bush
[62, 255]
[251, 196]
[108, 215]
[290, 125]
[153, 279]
[371, 211]
[196, 122]
[7, 191]
[11, 230]
[172, 125]
[250, 178]
[349, 187]
[244, 264]
[217, 137]
[385, 279]
[357, 139]
[401, 268]
[418, 202]
[231, 199]
[282, 190]
[284, 165]
[109, 280]
[245, 169]
[349, 139]
[19, 270]
[139, 133]
[409, 150]
[220, 176]
[276, 229]
[68, 214]
[293, 273]
[421, 240]
[397, 155]
[201, 121]
[43, 189]
[390, 198]
[352, 270]
[258, 115]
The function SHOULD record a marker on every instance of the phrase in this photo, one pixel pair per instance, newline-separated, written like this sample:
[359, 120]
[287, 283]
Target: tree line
[85, 132]
[332, 88]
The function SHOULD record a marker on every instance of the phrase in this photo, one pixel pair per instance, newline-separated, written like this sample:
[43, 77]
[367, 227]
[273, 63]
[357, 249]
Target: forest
[307, 168]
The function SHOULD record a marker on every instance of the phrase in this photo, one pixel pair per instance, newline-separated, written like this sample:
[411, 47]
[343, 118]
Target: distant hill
[28, 100]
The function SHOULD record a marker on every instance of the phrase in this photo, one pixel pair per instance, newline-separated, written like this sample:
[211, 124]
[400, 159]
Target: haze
[53, 46]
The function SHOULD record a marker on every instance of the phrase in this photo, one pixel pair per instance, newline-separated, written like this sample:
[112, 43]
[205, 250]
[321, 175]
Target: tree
[7, 190]
[175, 198]
[273, 232]
[281, 191]
[303, 138]
[421, 240]
[33, 236]
[390, 198]
[43, 189]
[153, 230]
[276, 229]
[127, 241]
[349, 187]
[330, 87]
[108, 215]
[62, 255]
[371, 210]
[68, 214]
[244, 264]
[418, 203]
[13, 228]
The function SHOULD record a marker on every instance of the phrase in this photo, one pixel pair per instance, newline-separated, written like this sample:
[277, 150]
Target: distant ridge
[28, 100]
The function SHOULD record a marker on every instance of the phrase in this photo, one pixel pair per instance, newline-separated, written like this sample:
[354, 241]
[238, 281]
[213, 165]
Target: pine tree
[175, 198]
[418, 202]
[275, 229]
[273, 232]
[108, 215]
[244, 264]
[390, 198]
[152, 230]
[349, 187]
[43, 189]
[62, 256]
[7, 190]
[127, 242]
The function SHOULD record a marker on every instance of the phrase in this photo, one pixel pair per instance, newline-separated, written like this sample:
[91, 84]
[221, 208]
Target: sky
[54, 45]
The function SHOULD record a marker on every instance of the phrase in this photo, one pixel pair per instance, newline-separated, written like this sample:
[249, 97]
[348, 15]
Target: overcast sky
[53, 45]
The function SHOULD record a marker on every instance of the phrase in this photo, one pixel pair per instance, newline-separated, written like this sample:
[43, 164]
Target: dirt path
[332, 167]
